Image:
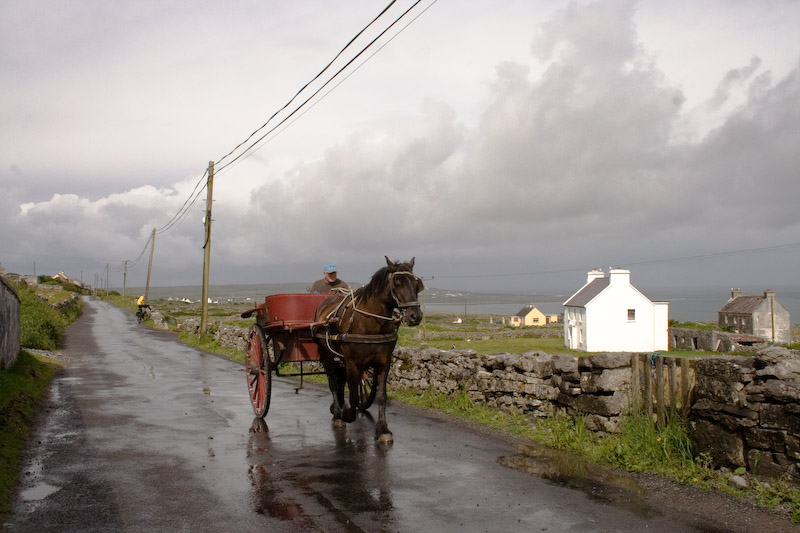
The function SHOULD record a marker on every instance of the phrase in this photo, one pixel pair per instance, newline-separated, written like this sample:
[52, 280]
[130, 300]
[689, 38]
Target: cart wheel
[367, 389]
[258, 371]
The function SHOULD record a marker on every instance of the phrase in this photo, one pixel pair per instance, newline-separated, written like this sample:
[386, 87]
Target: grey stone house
[763, 316]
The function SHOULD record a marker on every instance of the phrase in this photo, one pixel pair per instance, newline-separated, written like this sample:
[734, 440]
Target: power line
[308, 83]
[310, 107]
[176, 218]
[370, 44]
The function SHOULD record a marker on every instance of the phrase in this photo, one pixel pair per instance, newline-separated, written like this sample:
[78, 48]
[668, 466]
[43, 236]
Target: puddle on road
[575, 473]
[39, 491]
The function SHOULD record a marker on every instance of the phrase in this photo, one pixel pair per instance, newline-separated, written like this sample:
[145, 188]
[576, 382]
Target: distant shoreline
[687, 305]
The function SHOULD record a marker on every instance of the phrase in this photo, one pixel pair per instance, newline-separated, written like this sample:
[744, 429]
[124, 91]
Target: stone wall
[747, 411]
[9, 324]
[713, 341]
[536, 383]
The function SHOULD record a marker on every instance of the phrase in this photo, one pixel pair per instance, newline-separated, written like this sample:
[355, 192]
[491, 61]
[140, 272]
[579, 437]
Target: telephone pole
[207, 250]
[125, 277]
[150, 267]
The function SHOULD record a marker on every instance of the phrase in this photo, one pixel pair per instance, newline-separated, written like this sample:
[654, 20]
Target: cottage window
[631, 314]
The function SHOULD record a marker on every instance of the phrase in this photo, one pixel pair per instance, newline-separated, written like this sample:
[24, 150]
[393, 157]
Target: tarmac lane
[145, 434]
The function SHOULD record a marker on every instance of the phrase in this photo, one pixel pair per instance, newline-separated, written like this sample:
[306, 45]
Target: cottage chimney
[769, 294]
[594, 274]
[735, 293]
[619, 276]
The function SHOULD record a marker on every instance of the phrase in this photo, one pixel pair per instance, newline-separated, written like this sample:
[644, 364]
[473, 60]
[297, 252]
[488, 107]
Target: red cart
[284, 333]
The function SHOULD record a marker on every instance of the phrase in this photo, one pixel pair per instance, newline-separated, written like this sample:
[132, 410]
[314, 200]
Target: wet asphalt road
[145, 434]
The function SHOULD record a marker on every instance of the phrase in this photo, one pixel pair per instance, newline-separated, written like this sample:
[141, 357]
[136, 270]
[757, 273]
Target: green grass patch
[23, 390]
[41, 325]
[207, 343]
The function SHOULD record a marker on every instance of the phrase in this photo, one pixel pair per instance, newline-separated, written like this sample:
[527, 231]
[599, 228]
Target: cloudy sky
[508, 146]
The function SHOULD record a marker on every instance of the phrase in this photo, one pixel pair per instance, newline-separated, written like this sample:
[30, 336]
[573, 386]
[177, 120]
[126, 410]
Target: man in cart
[330, 281]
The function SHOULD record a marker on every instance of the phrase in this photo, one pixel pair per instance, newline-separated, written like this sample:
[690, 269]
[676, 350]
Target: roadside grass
[41, 326]
[24, 386]
[23, 390]
[207, 343]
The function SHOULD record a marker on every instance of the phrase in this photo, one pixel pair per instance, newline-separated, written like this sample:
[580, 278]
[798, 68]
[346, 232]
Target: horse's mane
[378, 285]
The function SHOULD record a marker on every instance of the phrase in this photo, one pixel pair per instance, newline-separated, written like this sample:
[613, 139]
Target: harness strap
[378, 338]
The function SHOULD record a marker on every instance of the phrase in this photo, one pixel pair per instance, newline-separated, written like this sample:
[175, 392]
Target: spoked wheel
[367, 388]
[258, 369]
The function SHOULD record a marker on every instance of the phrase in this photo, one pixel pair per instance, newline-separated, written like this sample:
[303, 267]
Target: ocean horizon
[686, 305]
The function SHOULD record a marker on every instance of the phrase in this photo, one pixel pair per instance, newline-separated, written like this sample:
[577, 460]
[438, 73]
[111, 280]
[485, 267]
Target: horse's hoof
[338, 423]
[385, 438]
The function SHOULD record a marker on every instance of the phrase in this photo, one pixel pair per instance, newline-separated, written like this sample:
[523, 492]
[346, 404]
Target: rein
[349, 300]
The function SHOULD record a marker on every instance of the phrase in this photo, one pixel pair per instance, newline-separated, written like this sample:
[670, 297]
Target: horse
[360, 333]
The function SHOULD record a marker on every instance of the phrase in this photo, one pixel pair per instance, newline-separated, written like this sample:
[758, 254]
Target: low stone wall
[713, 341]
[747, 411]
[9, 324]
[536, 383]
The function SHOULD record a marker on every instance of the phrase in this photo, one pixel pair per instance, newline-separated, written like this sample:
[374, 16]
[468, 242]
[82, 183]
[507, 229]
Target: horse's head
[405, 288]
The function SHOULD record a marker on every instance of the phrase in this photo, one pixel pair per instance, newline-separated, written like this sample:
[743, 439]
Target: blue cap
[329, 267]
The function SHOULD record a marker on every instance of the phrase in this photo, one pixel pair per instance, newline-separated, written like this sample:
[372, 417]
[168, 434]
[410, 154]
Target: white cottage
[608, 314]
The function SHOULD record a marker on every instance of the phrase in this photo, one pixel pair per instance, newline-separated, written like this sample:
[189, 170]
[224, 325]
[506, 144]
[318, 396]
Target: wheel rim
[257, 372]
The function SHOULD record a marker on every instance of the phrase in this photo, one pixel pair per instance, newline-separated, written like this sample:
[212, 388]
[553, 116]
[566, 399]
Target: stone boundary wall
[536, 383]
[747, 411]
[713, 341]
[9, 324]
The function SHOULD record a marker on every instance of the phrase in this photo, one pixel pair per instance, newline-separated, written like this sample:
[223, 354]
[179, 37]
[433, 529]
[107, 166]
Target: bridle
[397, 316]
[349, 300]
[403, 305]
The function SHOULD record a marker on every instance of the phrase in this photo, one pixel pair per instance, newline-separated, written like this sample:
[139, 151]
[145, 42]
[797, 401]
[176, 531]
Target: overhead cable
[371, 43]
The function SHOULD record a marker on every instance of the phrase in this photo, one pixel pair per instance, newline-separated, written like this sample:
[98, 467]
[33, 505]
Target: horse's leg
[353, 380]
[333, 384]
[382, 432]
[341, 379]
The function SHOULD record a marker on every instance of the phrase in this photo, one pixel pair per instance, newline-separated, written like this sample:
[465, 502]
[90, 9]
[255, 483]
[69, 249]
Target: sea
[686, 305]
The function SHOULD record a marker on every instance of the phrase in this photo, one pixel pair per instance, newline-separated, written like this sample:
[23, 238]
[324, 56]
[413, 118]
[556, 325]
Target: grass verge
[23, 390]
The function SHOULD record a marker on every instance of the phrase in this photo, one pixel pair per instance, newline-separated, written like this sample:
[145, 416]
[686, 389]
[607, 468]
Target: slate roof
[525, 310]
[743, 305]
[587, 293]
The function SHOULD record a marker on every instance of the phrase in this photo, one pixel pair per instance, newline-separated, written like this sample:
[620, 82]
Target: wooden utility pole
[207, 250]
[124, 277]
[150, 267]
[106, 279]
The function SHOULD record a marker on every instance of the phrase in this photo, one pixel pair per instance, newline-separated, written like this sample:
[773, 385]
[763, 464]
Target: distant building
[608, 314]
[531, 316]
[763, 316]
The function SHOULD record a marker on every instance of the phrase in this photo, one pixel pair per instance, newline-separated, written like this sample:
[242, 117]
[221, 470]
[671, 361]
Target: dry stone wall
[747, 411]
[536, 383]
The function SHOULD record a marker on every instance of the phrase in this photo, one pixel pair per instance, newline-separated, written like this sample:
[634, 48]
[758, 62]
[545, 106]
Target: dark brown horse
[360, 335]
